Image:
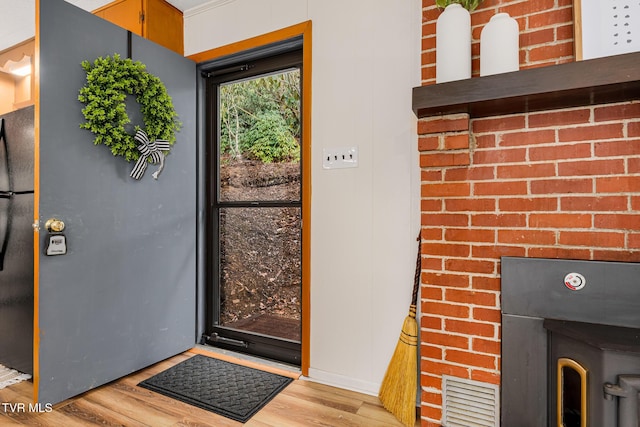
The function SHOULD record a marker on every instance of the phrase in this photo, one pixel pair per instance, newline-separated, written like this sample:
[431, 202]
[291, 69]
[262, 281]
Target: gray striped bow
[149, 150]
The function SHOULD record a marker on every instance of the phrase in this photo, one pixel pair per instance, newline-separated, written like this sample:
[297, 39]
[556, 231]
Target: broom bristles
[398, 389]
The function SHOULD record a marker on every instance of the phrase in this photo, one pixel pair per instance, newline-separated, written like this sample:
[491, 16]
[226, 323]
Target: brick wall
[555, 184]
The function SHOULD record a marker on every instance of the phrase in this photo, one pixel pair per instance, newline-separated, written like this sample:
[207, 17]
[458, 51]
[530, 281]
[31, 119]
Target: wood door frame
[303, 29]
[36, 210]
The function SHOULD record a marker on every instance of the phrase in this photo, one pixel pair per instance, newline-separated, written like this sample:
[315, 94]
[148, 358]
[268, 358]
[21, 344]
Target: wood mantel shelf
[595, 81]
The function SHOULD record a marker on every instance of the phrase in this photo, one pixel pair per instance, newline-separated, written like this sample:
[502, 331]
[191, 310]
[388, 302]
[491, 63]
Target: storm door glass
[257, 212]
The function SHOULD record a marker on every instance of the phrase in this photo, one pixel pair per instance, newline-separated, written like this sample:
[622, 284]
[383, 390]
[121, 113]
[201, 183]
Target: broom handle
[416, 279]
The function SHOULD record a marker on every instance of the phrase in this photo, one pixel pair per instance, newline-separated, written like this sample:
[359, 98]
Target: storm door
[255, 199]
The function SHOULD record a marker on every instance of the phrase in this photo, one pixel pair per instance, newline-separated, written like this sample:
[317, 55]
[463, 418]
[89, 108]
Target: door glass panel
[571, 397]
[259, 144]
[571, 394]
[253, 180]
[256, 282]
[260, 270]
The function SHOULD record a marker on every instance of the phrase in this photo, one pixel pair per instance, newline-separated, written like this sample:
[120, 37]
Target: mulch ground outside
[261, 253]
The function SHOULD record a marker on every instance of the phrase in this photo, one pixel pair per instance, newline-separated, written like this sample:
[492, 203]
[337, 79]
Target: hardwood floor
[122, 403]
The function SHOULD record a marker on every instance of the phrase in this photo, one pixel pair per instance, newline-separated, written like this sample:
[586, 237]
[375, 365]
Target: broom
[398, 389]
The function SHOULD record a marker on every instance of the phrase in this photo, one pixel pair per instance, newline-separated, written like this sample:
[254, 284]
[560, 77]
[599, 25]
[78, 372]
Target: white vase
[499, 45]
[453, 44]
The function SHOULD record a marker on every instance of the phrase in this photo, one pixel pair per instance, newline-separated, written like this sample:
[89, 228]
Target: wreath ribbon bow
[149, 150]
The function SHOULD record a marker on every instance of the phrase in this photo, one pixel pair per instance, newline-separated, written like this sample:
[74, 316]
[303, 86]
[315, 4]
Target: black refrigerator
[16, 239]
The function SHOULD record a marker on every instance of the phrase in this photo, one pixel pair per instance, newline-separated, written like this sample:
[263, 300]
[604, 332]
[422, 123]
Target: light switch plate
[340, 157]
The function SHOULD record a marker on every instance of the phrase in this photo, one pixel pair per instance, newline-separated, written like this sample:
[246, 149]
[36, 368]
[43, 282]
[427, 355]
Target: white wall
[17, 22]
[17, 19]
[366, 59]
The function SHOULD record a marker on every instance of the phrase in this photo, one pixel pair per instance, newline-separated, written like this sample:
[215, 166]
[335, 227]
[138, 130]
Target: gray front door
[123, 296]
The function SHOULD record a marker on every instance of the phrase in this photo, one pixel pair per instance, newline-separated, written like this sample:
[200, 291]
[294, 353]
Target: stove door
[628, 393]
[571, 394]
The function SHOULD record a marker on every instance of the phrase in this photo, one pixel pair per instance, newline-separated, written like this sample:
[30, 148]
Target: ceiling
[94, 4]
[17, 21]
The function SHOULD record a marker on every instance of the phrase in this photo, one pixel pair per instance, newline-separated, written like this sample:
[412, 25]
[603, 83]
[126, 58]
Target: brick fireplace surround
[560, 183]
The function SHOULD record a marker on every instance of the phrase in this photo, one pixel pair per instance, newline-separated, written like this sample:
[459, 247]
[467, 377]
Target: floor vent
[467, 403]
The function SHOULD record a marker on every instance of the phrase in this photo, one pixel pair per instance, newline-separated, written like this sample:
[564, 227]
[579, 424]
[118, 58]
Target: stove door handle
[611, 390]
[628, 386]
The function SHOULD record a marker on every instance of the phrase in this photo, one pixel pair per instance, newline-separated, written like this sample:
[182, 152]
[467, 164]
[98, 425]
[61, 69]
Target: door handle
[54, 225]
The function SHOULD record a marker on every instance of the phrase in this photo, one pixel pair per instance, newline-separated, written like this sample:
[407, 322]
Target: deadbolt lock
[54, 225]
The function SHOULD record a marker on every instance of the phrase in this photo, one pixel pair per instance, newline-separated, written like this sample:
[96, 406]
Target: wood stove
[586, 363]
[570, 343]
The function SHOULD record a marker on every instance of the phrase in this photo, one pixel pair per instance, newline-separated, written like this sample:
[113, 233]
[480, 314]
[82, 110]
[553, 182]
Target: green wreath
[109, 81]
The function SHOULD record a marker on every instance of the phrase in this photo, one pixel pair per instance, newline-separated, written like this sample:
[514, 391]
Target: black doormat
[231, 390]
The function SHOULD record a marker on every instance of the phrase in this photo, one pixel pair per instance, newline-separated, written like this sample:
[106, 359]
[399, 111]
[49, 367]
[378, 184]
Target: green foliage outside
[260, 118]
[271, 140]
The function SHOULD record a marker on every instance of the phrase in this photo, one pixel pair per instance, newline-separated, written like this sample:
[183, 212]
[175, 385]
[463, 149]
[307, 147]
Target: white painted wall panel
[366, 59]
[221, 22]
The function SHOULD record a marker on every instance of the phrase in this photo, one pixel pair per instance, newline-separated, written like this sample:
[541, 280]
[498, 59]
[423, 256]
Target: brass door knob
[54, 225]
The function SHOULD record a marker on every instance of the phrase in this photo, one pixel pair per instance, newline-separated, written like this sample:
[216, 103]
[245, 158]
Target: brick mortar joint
[443, 133]
[462, 365]
[446, 150]
[470, 149]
